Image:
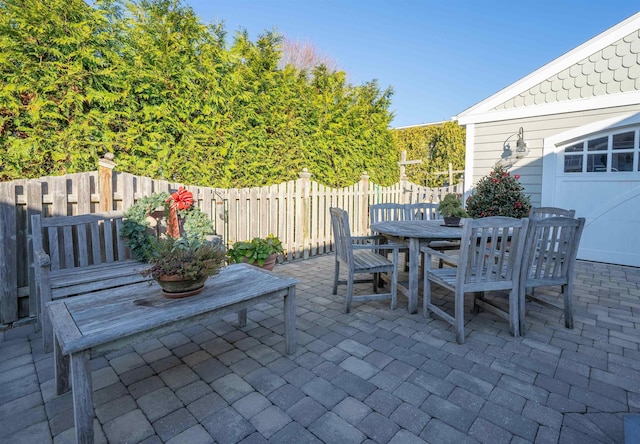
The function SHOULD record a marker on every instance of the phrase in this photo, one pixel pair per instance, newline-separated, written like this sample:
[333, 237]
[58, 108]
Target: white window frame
[585, 153]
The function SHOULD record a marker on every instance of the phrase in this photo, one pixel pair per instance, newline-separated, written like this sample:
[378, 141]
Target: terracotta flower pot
[269, 263]
[174, 286]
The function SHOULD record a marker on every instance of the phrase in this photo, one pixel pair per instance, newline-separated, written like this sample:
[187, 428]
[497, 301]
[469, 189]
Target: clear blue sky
[440, 56]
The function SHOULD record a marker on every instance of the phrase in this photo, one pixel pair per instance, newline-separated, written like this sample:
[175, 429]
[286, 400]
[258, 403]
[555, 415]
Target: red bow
[182, 199]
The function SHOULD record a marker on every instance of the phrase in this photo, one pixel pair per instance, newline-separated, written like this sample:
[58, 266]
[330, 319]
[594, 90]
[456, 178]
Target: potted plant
[451, 209]
[261, 252]
[174, 237]
[499, 194]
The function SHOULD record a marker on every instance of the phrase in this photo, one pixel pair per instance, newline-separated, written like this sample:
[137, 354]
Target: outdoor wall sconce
[509, 157]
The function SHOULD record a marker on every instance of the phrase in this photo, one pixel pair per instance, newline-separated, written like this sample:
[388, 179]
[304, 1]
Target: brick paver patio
[374, 375]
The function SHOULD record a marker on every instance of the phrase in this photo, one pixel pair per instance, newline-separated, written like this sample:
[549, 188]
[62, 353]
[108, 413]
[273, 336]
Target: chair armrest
[360, 239]
[41, 259]
[445, 257]
[378, 246]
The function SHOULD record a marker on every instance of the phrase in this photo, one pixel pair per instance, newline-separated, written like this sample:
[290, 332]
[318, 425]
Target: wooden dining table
[416, 234]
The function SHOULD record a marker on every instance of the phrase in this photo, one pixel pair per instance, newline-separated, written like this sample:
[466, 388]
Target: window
[610, 153]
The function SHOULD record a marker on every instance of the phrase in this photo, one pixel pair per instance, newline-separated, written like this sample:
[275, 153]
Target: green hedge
[166, 93]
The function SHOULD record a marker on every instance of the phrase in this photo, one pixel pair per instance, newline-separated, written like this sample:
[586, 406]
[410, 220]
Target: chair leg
[426, 293]
[335, 277]
[476, 308]
[394, 282]
[514, 319]
[347, 303]
[522, 307]
[567, 290]
[459, 316]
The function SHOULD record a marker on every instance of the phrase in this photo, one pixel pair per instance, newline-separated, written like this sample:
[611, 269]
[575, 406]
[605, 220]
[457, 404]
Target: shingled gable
[603, 72]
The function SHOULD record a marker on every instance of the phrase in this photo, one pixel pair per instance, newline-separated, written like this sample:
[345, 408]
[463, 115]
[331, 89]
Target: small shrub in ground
[499, 194]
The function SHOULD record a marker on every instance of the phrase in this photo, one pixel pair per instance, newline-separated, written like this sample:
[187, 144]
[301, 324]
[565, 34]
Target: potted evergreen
[451, 209]
[259, 251]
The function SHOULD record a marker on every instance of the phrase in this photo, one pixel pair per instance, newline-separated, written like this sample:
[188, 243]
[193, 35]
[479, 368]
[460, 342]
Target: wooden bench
[76, 255]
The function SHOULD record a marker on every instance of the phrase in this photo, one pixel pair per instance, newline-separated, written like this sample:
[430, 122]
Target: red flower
[516, 176]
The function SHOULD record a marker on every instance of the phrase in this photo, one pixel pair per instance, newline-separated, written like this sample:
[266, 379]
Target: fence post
[364, 203]
[305, 223]
[105, 174]
[404, 181]
[8, 262]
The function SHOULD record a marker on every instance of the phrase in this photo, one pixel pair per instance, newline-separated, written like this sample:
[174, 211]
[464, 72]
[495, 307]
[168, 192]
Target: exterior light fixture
[510, 156]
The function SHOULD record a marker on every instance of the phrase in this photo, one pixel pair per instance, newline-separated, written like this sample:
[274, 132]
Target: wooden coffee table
[97, 323]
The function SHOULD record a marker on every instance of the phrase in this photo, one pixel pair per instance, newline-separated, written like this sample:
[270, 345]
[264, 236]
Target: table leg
[242, 317]
[414, 261]
[61, 368]
[82, 397]
[290, 321]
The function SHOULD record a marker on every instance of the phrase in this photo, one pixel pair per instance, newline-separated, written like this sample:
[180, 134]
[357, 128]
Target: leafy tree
[57, 70]
[436, 145]
[148, 81]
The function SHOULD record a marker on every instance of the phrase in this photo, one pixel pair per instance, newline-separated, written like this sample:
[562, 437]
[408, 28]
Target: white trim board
[567, 106]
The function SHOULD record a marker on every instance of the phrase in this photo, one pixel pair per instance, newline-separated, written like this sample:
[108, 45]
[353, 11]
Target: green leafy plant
[187, 257]
[256, 251]
[451, 206]
[177, 243]
[499, 194]
[141, 236]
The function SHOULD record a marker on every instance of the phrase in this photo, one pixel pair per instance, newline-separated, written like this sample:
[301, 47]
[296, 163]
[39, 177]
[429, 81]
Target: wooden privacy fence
[296, 211]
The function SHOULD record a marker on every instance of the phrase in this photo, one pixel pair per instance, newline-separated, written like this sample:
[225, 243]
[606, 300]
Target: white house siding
[610, 70]
[489, 139]
[569, 99]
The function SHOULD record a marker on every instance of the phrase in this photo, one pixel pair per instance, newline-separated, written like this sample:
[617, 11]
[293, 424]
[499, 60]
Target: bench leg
[82, 397]
[290, 321]
[61, 369]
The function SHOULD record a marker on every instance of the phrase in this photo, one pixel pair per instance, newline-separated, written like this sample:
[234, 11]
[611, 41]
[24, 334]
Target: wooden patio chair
[549, 259]
[542, 212]
[385, 212]
[429, 211]
[421, 211]
[490, 255]
[360, 257]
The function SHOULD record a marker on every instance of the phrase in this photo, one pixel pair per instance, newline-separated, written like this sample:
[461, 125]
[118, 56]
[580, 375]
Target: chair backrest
[542, 212]
[386, 211]
[550, 251]
[421, 211]
[341, 235]
[491, 253]
[80, 241]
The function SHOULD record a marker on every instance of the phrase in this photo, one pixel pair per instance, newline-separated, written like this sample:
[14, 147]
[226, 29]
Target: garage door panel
[612, 210]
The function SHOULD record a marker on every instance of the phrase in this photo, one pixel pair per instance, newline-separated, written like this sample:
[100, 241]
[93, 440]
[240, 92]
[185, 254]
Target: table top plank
[420, 229]
[112, 314]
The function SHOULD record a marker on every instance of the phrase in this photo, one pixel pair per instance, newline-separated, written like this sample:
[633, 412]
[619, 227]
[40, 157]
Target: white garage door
[599, 177]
